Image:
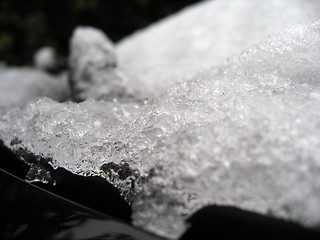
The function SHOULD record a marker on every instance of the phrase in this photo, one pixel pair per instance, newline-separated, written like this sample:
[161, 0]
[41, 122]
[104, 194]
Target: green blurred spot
[142, 3]
[35, 28]
[6, 41]
[84, 4]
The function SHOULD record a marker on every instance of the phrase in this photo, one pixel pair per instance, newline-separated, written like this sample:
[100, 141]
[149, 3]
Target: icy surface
[18, 86]
[245, 134]
[202, 36]
[93, 67]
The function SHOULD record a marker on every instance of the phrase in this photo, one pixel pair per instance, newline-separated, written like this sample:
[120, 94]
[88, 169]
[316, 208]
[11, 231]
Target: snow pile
[203, 36]
[19, 86]
[93, 67]
[245, 133]
[46, 58]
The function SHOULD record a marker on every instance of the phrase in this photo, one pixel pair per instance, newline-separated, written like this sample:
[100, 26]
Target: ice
[242, 131]
[93, 67]
[244, 134]
[202, 36]
[18, 86]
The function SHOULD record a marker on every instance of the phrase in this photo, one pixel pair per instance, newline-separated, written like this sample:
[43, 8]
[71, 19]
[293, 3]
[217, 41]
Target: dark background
[26, 25]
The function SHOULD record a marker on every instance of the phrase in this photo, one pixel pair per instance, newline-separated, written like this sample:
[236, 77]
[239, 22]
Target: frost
[245, 133]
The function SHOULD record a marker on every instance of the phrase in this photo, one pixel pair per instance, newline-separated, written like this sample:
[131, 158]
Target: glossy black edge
[69, 218]
[91, 191]
[32, 187]
[230, 222]
[204, 224]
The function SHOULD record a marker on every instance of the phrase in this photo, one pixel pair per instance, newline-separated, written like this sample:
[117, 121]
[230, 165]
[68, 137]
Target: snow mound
[244, 134]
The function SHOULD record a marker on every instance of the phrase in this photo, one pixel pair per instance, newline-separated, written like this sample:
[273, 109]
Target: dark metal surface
[79, 207]
[29, 212]
[225, 222]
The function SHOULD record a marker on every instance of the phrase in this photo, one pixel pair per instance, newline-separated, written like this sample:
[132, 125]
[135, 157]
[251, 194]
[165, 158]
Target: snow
[45, 58]
[93, 67]
[202, 36]
[242, 132]
[18, 86]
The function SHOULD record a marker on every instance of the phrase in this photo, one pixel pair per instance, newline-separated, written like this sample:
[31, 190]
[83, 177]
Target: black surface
[28, 212]
[93, 192]
[217, 222]
[10, 163]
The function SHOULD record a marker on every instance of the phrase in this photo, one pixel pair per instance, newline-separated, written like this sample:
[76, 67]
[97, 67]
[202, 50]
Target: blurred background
[26, 25]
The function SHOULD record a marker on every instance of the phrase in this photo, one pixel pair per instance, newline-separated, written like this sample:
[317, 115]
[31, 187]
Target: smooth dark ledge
[23, 212]
[10, 163]
[30, 212]
[224, 222]
[93, 192]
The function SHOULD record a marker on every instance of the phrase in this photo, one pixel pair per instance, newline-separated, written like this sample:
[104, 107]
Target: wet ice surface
[244, 134]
